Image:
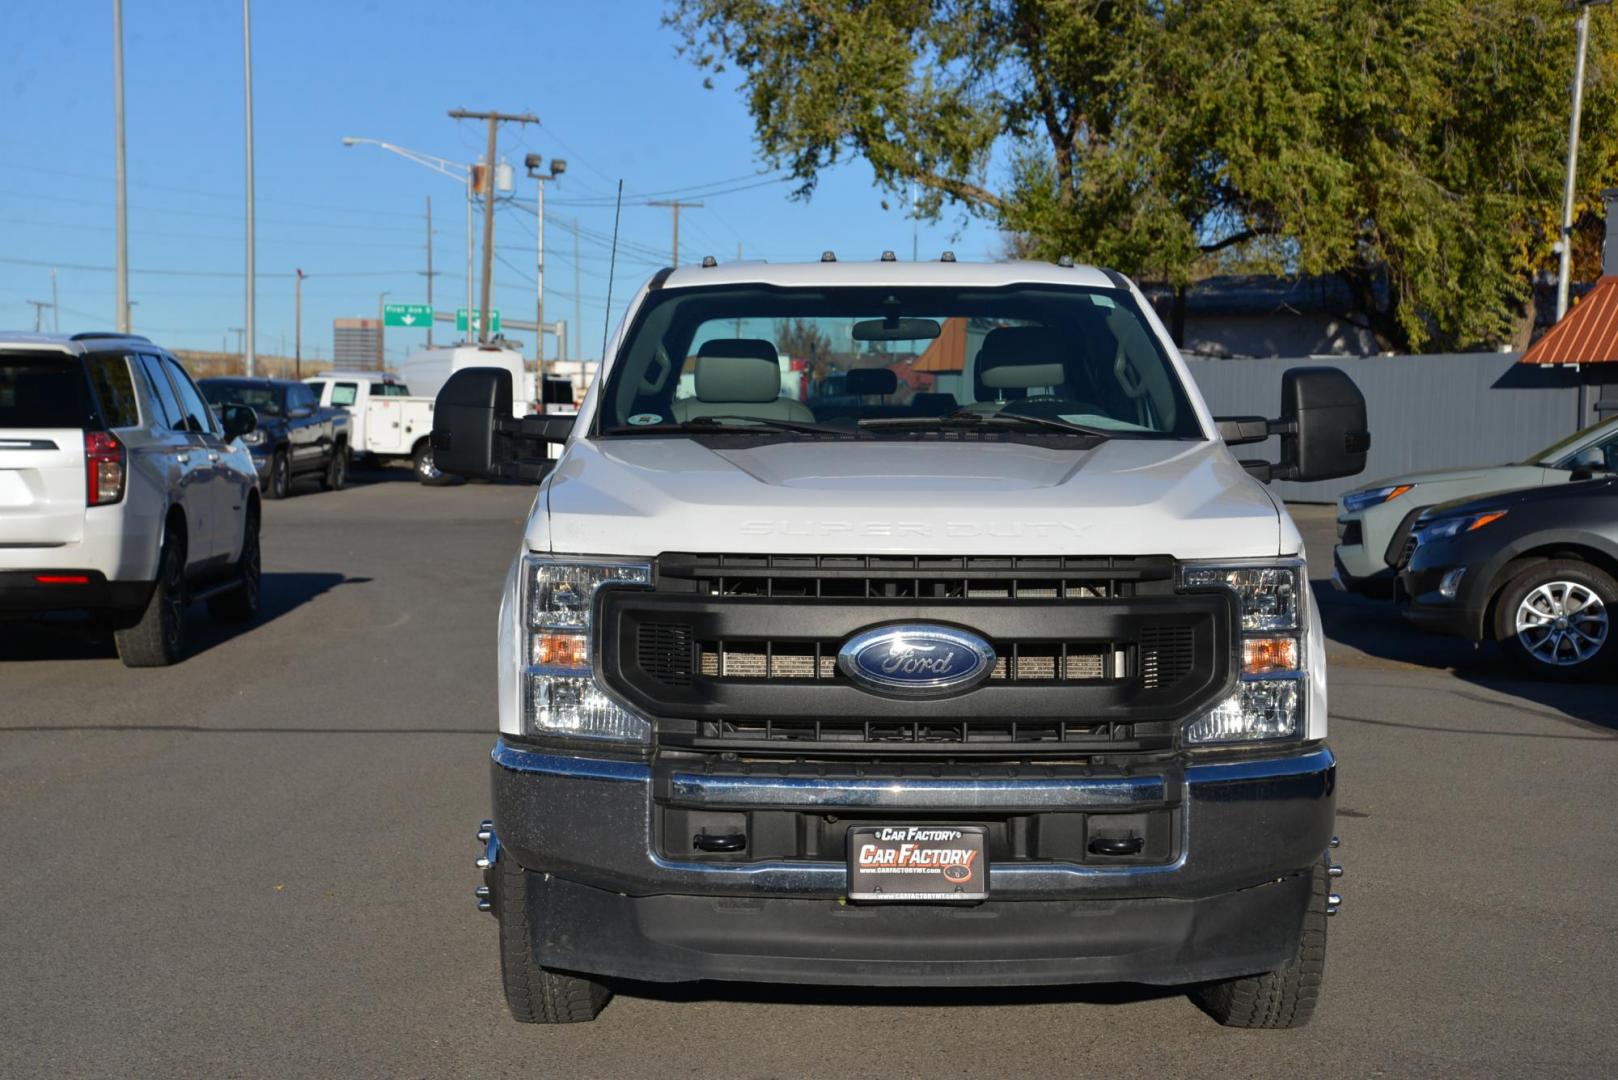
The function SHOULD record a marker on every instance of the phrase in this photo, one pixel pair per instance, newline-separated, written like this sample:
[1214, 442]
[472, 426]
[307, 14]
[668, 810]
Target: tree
[1413, 147]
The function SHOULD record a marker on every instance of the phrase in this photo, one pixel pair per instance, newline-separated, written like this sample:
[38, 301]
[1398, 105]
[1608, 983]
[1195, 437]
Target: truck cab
[969, 656]
[388, 423]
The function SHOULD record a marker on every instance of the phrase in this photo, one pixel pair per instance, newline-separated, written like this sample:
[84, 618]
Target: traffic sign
[461, 321]
[407, 315]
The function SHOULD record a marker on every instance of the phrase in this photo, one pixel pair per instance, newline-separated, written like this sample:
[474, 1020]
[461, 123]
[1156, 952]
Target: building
[356, 343]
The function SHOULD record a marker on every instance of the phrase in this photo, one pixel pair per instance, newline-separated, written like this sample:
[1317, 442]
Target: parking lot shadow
[68, 639]
[1375, 628]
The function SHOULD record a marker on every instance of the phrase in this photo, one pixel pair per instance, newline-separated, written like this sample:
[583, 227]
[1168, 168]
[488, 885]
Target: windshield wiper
[711, 425]
[965, 418]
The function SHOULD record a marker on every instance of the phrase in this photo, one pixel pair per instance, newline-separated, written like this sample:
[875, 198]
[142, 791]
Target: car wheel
[1284, 998]
[241, 603]
[1555, 619]
[426, 471]
[154, 641]
[336, 474]
[280, 485]
[535, 995]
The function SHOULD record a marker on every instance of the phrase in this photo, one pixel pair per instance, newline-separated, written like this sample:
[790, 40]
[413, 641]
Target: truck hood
[644, 496]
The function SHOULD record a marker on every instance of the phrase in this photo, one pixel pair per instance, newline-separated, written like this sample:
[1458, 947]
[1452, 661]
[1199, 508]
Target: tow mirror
[237, 420]
[1322, 428]
[475, 435]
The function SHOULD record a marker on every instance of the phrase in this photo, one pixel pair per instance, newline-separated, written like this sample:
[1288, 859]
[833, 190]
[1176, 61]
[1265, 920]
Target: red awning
[1588, 334]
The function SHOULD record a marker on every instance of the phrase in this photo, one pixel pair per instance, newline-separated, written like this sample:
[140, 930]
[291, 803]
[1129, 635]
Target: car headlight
[1268, 702]
[1449, 527]
[1356, 501]
[560, 694]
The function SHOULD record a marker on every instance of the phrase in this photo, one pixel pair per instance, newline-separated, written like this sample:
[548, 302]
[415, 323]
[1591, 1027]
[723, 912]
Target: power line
[199, 273]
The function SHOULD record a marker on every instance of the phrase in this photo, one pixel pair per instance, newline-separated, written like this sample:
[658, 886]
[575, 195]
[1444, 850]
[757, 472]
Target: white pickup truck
[388, 424]
[984, 663]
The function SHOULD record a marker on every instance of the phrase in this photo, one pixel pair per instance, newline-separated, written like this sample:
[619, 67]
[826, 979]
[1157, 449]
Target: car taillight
[103, 468]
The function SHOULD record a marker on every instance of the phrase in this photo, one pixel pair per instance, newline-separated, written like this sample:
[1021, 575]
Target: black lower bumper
[37, 592]
[998, 943]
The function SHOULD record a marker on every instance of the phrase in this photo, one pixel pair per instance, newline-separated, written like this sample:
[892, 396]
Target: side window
[390, 390]
[344, 393]
[114, 388]
[168, 405]
[197, 417]
[301, 396]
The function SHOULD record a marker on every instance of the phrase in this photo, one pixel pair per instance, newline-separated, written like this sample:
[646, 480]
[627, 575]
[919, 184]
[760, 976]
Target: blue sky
[614, 99]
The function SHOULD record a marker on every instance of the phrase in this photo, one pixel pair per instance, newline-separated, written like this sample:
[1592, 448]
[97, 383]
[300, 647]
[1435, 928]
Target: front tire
[1284, 998]
[1554, 620]
[155, 640]
[426, 472]
[279, 485]
[241, 604]
[336, 474]
[535, 995]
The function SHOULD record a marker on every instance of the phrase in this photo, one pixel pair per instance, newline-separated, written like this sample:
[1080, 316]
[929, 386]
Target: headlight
[1268, 702]
[1449, 527]
[1356, 501]
[560, 695]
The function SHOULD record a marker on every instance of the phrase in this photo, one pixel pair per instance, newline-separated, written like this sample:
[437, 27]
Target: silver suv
[123, 496]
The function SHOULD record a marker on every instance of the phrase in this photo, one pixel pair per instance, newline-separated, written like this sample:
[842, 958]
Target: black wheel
[426, 471]
[336, 474]
[1277, 999]
[534, 994]
[154, 641]
[1554, 620]
[241, 603]
[279, 485]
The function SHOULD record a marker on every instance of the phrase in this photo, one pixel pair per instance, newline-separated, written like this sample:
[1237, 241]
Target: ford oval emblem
[916, 660]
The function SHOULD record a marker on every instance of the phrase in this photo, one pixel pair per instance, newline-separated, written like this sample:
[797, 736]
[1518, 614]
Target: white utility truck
[388, 424]
[426, 370]
[1016, 679]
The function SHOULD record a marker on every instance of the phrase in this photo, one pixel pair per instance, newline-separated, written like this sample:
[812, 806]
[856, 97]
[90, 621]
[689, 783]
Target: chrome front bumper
[1245, 821]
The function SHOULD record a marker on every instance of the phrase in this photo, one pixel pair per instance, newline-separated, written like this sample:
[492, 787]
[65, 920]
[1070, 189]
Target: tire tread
[1284, 998]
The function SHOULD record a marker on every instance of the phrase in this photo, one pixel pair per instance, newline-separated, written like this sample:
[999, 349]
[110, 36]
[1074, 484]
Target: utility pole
[578, 291]
[247, 70]
[558, 167]
[429, 267]
[237, 330]
[494, 119]
[122, 314]
[1564, 268]
[297, 324]
[39, 313]
[380, 330]
[676, 205]
[56, 311]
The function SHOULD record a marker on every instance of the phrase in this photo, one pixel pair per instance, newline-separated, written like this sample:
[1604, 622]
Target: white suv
[123, 496]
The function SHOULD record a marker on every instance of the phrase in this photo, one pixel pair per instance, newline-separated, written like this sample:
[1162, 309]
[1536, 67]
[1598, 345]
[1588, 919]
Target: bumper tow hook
[1333, 870]
[491, 854]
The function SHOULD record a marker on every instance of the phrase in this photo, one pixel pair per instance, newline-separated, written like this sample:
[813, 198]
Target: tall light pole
[381, 322]
[297, 323]
[495, 119]
[429, 268]
[558, 167]
[122, 314]
[1564, 269]
[455, 170]
[252, 284]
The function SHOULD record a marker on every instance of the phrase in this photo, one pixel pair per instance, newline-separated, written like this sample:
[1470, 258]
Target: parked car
[1535, 570]
[1374, 522]
[123, 496]
[1027, 688]
[386, 425]
[296, 435]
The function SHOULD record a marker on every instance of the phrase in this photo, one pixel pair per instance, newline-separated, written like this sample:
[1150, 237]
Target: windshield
[265, 400]
[767, 361]
[1558, 450]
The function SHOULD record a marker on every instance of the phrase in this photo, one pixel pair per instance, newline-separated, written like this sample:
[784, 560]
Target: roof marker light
[828, 256]
[888, 256]
[948, 256]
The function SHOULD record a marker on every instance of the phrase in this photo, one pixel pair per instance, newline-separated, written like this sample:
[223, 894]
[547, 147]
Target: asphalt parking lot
[259, 862]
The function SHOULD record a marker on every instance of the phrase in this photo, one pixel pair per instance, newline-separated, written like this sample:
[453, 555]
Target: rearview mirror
[475, 435]
[1322, 427]
[896, 330]
[237, 420]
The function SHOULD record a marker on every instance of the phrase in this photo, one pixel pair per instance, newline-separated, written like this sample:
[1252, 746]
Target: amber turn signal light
[561, 650]
[1269, 655]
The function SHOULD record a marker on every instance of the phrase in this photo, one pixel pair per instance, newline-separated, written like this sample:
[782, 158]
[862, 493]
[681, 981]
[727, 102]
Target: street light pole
[122, 314]
[429, 267]
[1564, 268]
[297, 321]
[247, 68]
[558, 167]
[381, 322]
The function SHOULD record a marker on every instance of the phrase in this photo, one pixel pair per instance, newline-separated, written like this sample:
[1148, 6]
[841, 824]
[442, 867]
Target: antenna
[612, 265]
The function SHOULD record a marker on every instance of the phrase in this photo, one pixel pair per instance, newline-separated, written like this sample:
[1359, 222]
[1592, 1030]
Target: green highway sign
[461, 320]
[407, 315]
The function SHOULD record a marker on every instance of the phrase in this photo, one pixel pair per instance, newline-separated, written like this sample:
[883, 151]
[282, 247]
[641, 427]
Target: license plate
[918, 862]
